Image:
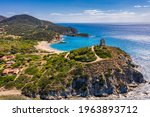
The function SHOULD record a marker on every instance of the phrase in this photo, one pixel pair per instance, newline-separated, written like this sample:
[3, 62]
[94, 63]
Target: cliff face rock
[102, 85]
[108, 76]
[98, 85]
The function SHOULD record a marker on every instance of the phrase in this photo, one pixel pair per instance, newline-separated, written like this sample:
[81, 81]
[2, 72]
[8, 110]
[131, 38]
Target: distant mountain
[2, 17]
[30, 27]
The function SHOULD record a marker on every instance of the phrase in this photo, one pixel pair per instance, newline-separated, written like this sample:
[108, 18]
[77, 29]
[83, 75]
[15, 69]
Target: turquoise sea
[133, 38]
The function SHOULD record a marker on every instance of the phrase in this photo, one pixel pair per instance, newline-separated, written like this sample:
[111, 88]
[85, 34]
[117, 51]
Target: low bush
[82, 55]
[102, 52]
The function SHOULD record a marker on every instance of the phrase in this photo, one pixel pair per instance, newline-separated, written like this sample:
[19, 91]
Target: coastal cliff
[94, 71]
[86, 72]
[115, 74]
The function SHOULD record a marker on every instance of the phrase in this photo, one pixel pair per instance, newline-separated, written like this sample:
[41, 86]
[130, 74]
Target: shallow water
[133, 38]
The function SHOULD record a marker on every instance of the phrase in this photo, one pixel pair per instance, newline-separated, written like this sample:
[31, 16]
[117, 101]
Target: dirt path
[98, 58]
[20, 73]
[66, 56]
[10, 92]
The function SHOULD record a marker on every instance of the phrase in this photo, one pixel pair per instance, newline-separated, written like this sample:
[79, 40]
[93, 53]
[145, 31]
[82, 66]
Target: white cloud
[98, 14]
[93, 12]
[146, 6]
[69, 14]
[137, 6]
[26, 12]
[104, 16]
[75, 14]
[11, 13]
[56, 14]
[142, 6]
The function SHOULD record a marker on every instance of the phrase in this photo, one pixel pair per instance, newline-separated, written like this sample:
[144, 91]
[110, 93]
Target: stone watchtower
[102, 42]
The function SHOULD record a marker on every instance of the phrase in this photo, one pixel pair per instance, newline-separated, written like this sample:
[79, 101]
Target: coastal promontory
[96, 71]
[86, 72]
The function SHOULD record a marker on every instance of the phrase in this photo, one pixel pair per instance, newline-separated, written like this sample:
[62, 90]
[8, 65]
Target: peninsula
[29, 66]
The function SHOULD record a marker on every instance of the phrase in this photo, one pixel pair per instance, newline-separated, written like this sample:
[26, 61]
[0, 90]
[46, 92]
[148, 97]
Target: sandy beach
[45, 46]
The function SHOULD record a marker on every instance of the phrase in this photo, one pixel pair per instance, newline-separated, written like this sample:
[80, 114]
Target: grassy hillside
[90, 71]
[29, 27]
[53, 76]
[11, 46]
[2, 17]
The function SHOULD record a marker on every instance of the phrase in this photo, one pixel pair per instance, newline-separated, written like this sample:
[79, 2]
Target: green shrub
[10, 85]
[17, 46]
[59, 64]
[32, 70]
[102, 52]
[83, 55]
[30, 90]
[5, 79]
[21, 81]
[43, 82]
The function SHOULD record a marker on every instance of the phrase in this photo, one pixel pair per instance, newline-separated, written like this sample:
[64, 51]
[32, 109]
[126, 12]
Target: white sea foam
[141, 58]
[137, 38]
[142, 92]
[139, 93]
[144, 68]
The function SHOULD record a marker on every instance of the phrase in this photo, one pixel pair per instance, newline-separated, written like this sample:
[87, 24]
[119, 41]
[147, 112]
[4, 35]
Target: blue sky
[80, 10]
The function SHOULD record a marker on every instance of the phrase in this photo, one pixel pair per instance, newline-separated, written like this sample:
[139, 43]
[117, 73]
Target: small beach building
[7, 58]
[10, 71]
[9, 63]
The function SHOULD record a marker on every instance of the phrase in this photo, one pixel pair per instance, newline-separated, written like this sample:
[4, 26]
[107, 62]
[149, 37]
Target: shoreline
[45, 46]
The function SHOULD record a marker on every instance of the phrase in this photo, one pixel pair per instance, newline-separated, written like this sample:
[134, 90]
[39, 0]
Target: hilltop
[91, 71]
[29, 27]
[2, 17]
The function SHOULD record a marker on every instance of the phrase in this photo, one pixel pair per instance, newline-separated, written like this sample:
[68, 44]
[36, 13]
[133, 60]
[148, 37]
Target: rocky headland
[97, 71]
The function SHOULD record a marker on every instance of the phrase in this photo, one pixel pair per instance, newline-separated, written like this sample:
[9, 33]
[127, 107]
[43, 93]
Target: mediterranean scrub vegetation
[45, 75]
[28, 27]
[82, 55]
[102, 52]
[14, 46]
[4, 80]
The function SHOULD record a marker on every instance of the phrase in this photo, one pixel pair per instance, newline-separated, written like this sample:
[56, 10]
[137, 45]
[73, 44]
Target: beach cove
[45, 46]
